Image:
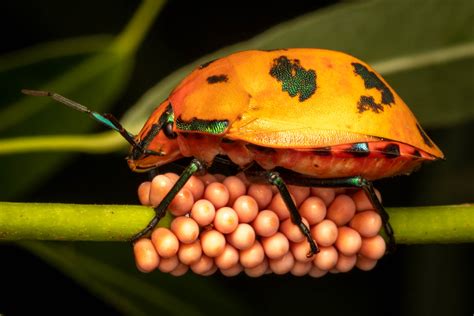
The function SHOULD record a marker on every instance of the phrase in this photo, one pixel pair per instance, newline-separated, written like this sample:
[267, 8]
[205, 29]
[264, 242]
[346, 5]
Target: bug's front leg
[195, 166]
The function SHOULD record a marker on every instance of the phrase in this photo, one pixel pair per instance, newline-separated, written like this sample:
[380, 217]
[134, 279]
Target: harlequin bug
[323, 117]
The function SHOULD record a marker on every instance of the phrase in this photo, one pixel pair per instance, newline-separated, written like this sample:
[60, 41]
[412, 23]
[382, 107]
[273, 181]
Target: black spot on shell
[359, 150]
[425, 137]
[372, 81]
[391, 151]
[294, 79]
[367, 102]
[217, 79]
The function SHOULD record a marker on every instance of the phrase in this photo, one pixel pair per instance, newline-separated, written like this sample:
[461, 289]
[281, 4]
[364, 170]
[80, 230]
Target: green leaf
[39, 64]
[430, 64]
[89, 76]
[97, 80]
[382, 33]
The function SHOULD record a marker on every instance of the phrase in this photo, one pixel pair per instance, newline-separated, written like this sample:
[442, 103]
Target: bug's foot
[154, 221]
[314, 249]
[391, 244]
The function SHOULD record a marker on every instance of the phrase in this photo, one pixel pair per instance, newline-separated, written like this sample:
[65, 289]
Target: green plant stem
[433, 224]
[49, 221]
[56, 221]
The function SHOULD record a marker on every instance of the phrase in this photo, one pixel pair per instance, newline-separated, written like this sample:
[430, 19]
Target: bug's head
[156, 144]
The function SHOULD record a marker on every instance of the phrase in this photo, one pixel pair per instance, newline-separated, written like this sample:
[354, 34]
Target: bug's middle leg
[274, 178]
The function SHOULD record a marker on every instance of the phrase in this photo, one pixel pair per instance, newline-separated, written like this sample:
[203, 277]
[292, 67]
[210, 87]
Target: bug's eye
[168, 130]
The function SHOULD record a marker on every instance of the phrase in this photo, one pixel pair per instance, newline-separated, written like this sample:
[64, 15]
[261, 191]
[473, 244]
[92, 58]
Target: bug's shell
[316, 112]
[298, 98]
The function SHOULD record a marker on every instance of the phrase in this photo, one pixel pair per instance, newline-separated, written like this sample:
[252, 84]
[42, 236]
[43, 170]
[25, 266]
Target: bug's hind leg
[195, 166]
[355, 182]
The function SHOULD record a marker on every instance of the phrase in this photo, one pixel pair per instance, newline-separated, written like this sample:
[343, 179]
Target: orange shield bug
[308, 117]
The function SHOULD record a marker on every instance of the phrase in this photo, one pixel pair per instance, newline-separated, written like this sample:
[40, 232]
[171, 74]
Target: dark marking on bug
[227, 141]
[359, 150]
[367, 102]
[322, 151]
[416, 153]
[217, 79]
[425, 137]
[391, 151]
[262, 149]
[202, 66]
[205, 126]
[168, 130]
[294, 78]
[154, 130]
[372, 81]
[166, 118]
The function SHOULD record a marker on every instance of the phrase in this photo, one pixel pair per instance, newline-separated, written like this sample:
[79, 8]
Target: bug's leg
[274, 178]
[195, 166]
[357, 182]
[369, 190]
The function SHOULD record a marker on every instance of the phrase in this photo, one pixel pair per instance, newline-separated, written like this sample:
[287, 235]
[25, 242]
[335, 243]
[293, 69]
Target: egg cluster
[227, 224]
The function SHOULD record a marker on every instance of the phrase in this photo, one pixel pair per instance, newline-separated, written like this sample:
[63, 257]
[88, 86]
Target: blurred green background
[100, 277]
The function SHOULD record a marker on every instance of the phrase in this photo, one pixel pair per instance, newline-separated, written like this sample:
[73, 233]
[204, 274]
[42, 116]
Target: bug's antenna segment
[57, 97]
[107, 119]
[110, 119]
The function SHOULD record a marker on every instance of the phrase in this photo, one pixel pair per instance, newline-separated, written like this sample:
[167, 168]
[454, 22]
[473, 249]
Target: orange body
[317, 112]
